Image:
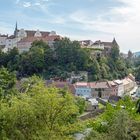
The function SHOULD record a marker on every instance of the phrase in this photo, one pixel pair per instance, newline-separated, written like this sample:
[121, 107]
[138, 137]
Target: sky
[77, 19]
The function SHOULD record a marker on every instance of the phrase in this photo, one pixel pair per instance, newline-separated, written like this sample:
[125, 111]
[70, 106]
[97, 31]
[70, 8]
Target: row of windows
[79, 90]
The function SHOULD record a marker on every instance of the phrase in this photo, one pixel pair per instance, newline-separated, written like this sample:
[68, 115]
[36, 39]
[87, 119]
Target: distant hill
[137, 54]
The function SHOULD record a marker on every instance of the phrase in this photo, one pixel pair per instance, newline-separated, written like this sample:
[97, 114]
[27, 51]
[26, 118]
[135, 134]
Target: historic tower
[16, 31]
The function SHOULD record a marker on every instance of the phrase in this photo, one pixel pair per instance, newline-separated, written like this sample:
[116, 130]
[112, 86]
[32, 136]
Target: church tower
[16, 31]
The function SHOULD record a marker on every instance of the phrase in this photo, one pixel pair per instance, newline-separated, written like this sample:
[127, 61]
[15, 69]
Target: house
[82, 89]
[95, 89]
[120, 90]
[61, 85]
[128, 84]
[11, 42]
[99, 48]
[3, 39]
[98, 45]
[85, 43]
[3, 42]
[113, 88]
[100, 89]
[92, 104]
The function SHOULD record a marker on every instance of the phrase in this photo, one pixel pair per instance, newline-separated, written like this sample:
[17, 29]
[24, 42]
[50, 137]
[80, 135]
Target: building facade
[83, 89]
[23, 39]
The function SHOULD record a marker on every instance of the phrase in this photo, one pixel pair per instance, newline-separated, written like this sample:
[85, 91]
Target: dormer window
[38, 34]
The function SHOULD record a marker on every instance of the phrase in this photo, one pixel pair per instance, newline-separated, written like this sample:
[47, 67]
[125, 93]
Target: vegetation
[38, 112]
[60, 61]
[33, 111]
[30, 110]
[117, 123]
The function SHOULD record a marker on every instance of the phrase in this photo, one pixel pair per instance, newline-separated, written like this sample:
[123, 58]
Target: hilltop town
[81, 80]
[102, 88]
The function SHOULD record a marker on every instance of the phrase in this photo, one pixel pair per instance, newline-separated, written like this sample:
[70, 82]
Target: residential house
[100, 89]
[128, 85]
[120, 89]
[61, 85]
[86, 43]
[3, 41]
[92, 104]
[99, 48]
[113, 88]
[82, 89]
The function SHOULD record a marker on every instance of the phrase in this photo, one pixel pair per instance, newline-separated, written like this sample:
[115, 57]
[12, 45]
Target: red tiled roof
[59, 84]
[99, 85]
[45, 39]
[31, 33]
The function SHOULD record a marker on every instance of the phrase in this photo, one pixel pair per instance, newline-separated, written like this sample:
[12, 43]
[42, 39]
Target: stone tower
[16, 30]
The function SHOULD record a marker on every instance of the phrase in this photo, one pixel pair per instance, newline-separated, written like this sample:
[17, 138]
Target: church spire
[16, 29]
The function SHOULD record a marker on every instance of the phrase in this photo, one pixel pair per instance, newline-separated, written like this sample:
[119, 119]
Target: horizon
[109, 19]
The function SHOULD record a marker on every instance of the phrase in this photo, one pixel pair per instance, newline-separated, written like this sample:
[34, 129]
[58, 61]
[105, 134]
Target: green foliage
[41, 113]
[138, 106]
[117, 123]
[7, 82]
[137, 73]
[81, 103]
[115, 52]
[65, 57]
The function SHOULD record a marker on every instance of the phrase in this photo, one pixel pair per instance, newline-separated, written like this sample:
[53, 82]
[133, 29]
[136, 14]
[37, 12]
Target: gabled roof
[86, 42]
[107, 44]
[119, 82]
[45, 39]
[101, 85]
[31, 33]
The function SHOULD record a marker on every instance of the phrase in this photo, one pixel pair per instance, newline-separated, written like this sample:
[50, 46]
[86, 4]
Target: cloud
[120, 21]
[27, 4]
[37, 4]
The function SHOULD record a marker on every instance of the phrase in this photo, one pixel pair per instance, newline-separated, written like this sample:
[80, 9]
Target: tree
[115, 52]
[138, 106]
[41, 113]
[70, 55]
[130, 55]
[120, 128]
[7, 82]
[80, 102]
[137, 73]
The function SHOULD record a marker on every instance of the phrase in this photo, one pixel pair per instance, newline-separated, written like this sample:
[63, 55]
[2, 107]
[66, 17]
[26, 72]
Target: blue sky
[77, 19]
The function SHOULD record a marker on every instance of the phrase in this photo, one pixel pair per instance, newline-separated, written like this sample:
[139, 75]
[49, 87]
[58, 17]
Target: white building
[3, 39]
[22, 39]
[120, 87]
[98, 45]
